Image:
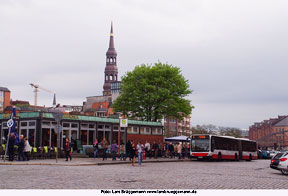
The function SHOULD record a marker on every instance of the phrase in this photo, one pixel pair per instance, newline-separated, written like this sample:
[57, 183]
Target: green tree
[151, 92]
[230, 131]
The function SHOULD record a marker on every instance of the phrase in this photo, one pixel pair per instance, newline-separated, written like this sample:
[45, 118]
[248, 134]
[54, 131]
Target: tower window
[111, 77]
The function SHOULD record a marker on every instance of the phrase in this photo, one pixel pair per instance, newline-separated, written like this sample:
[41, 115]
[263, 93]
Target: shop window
[84, 125]
[66, 124]
[24, 124]
[74, 125]
[32, 123]
[92, 126]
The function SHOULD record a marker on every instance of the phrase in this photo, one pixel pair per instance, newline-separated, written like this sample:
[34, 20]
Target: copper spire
[111, 43]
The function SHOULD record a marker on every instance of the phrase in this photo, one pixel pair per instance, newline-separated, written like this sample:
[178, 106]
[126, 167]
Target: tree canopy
[217, 130]
[151, 92]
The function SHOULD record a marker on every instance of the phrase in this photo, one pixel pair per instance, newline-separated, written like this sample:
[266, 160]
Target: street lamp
[119, 132]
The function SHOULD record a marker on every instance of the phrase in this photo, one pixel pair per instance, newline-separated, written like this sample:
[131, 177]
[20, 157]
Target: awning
[181, 138]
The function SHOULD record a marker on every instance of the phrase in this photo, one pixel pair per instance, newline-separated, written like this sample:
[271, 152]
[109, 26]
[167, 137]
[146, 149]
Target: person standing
[11, 142]
[67, 148]
[122, 152]
[114, 149]
[179, 150]
[171, 150]
[147, 149]
[165, 149]
[21, 156]
[156, 150]
[133, 154]
[104, 145]
[27, 149]
[128, 149]
[95, 146]
[140, 152]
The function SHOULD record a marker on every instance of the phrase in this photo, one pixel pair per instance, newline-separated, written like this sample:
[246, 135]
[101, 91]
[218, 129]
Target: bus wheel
[236, 157]
[220, 157]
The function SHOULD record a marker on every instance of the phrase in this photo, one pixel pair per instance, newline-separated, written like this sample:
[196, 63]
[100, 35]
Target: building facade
[39, 127]
[270, 134]
[175, 127]
[4, 98]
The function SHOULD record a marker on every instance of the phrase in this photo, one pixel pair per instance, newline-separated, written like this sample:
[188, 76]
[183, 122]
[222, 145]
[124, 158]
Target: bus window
[200, 145]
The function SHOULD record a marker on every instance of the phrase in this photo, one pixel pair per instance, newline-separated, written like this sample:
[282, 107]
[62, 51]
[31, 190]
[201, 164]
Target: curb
[90, 164]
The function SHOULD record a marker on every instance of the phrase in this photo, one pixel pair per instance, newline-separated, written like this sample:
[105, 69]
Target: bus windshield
[200, 145]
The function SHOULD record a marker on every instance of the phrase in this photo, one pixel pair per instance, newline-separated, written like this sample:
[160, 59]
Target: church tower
[111, 70]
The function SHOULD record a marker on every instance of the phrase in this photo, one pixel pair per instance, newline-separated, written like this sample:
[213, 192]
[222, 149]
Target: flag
[13, 128]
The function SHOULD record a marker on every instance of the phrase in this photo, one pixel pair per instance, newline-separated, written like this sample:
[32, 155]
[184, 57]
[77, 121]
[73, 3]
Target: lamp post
[119, 132]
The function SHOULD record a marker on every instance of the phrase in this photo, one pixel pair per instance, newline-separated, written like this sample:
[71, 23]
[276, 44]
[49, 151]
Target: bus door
[240, 150]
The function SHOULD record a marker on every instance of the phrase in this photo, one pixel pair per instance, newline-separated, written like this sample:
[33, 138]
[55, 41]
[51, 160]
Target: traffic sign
[123, 122]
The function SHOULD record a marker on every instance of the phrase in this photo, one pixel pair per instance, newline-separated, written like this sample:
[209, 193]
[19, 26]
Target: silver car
[283, 164]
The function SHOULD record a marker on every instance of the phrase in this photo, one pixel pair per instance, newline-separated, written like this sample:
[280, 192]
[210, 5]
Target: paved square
[167, 175]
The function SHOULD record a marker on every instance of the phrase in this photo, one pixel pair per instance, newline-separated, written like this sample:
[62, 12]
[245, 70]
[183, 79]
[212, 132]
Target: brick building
[175, 127]
[270, 134]
[4, 98]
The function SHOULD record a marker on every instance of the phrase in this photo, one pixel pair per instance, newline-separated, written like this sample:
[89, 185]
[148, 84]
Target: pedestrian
[11, 142]
[133, 154]
[21, 156]
[104, 145]
[128, 149]
[147, 149]
[140, 152]
[95, 146]
[67, 148]
[114, 150]
[164, 149]
[122, 152]
[179, 150]
[171, 150]
[188, 151]
[27, 149]
[155, 148]
[183, 152]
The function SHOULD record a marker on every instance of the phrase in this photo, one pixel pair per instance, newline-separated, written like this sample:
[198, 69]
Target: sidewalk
[86, 161]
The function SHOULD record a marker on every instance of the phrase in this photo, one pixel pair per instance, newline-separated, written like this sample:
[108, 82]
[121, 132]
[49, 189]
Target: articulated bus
[222, 147]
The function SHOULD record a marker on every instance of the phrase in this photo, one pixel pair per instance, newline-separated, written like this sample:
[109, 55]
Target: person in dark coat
[21, 156]
[11, 143]
[128, 149]
[171, 150]
[67, 148]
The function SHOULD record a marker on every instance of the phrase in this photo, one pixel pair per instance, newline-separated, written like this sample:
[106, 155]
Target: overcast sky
[234, 53]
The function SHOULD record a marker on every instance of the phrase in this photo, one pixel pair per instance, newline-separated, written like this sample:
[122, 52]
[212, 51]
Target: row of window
[111, 78]
[101, 127]
[144, 130]
[111, 59]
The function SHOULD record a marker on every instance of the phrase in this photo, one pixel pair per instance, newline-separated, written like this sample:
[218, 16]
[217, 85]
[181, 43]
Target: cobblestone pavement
[166, 175]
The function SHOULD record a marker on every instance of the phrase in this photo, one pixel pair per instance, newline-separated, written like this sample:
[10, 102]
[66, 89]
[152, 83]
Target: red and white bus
[222, 147]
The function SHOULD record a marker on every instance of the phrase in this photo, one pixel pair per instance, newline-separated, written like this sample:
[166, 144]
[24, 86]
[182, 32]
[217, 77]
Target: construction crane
[36, 89]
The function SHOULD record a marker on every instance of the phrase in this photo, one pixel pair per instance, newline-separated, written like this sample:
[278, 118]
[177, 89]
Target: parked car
[283, 164]
[275, 160]
[272, 153]
[265, 154]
